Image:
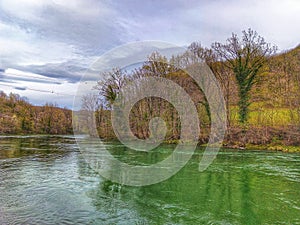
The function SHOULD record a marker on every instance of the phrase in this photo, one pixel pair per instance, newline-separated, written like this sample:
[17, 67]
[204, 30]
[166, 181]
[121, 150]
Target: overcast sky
[46, 45]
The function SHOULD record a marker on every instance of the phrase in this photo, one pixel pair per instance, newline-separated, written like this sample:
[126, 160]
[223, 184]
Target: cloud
[13, 74]
[182, 22]
[37, 88]
[38, 32]
[60, 39]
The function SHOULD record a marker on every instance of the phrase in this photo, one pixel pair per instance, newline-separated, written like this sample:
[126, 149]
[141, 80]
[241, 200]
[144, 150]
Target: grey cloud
[13, 78]
[20, 88]
[60, 39]
[67, 70]
[89, 33]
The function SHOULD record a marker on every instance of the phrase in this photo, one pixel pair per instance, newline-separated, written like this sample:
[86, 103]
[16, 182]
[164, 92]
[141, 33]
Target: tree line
[260, 88]
[17, 116]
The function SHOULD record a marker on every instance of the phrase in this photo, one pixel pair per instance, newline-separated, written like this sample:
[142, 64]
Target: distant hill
[17, 116]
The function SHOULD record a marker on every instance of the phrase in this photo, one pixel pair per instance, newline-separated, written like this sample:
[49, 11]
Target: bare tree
[89, 107]
[218, 67]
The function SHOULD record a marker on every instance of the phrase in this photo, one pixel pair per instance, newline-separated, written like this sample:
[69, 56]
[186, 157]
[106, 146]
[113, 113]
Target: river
[45, 180]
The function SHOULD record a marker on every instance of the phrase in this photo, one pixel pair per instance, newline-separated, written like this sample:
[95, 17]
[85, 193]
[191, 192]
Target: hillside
[274, 102]
[17, 116]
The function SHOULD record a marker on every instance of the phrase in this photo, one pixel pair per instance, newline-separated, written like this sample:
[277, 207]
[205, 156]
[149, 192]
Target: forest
[17, 116]
[260, 88]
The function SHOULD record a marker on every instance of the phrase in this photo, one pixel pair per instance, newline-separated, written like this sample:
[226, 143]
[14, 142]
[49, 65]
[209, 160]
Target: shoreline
[239, 146]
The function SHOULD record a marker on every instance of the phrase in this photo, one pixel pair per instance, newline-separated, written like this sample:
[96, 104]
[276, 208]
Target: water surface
[45, 180]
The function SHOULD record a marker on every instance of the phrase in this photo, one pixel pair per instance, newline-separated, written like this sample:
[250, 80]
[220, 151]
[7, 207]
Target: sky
[47, 45]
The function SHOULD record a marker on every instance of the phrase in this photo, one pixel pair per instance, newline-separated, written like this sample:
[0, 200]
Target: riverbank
[274, 144]
[284, 139]
[269, 147]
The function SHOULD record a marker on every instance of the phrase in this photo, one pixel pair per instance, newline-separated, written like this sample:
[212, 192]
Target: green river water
[45, 180]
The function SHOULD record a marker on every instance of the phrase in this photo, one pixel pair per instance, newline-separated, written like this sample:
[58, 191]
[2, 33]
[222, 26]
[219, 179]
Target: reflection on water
[45, 180]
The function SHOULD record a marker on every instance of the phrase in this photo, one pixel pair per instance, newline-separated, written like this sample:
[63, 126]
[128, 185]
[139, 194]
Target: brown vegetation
[268, 82]
[17, 116]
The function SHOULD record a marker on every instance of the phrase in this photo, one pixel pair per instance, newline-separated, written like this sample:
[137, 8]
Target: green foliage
[260, 116]
[246, 57]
